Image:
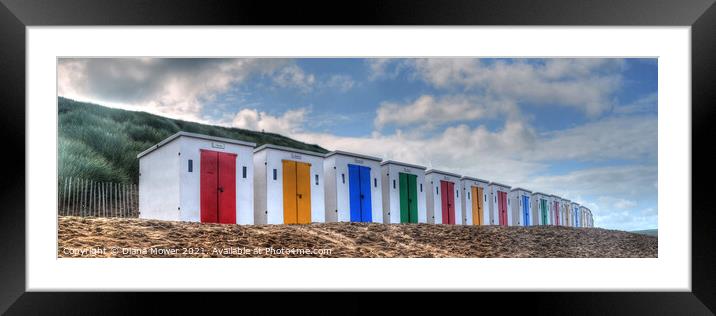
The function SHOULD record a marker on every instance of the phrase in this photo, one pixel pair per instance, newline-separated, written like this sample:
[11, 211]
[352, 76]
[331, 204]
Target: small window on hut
[274, 174]
[343, 177]
[316, 179]
[191, 165]
[243, 172]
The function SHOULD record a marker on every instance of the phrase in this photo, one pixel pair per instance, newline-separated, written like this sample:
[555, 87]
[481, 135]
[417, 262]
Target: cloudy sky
[583, 129]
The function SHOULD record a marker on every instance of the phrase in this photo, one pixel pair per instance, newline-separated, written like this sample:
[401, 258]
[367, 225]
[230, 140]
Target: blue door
[359, 193]
[576, 218]
[526, 209]
[365, 202]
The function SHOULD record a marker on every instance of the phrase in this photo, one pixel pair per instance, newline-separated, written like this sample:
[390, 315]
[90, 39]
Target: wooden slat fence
[85, 197]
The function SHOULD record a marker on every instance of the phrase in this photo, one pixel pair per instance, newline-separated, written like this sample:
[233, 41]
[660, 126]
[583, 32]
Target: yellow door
[303, 192]
[477, 205]
[289, 192]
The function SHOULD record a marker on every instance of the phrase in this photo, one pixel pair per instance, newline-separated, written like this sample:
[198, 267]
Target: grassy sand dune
[343, 239]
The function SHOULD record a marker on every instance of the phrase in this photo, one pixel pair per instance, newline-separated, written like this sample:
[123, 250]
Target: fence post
[103, 203]
[131, 199]
[105, 198]
[111, 199]
[84, 195]
[114, 199]
[91, 199]
[121, 199]
[69, 198]
[64, 198]
[77, 197]
[74, 198]
[124, 199]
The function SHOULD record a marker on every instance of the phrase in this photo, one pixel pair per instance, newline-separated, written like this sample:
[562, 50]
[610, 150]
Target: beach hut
[353, 192]
[197, 178]
[557, 209]
[575, 214]
[289, 186]
[564, 211]
[443, 197]
[583, 211]
[540, 208]
[499, 204]
[567, 205]
[403, 192]
[521, 208]
[586, 217]
[473, 200]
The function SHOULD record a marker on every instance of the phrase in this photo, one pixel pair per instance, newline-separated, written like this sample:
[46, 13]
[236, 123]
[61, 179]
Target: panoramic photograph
[435, 157]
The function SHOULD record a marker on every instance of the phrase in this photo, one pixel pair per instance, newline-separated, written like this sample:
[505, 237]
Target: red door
[447, 190]
[502, 199]
[556, 212]
[444, 200]
[451, 202]
[218, 187]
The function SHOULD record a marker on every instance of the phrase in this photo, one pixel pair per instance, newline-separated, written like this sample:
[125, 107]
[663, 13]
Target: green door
[543, 211]
[408, 197]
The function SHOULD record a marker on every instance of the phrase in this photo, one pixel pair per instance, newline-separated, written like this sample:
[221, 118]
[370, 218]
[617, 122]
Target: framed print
[453, 146]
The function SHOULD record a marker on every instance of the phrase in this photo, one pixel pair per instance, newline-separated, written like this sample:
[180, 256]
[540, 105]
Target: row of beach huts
[201, 178]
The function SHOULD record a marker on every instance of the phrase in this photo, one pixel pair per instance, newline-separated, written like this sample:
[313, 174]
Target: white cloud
[624, 138]
[288, 123]
[585, 84]
[428, 112]
[380, 68]
[646, 103]
[617, 203]
[341, 83]
[294, 76]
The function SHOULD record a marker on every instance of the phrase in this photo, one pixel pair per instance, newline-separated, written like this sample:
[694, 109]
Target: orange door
[477, 205]
[290, 206]
[296, 192]
[303, 192]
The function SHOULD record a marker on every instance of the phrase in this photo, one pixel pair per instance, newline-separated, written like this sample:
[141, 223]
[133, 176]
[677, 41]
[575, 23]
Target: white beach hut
[473, 200]
[403, 192]
[575, 214]
[443, 197]
[289, 186]
[569, 218]
[197, 178]
[353, 191]
[499, 204]
[583, 215]
[564, 211]
[540, 208]
[521, 207]
[556, 208]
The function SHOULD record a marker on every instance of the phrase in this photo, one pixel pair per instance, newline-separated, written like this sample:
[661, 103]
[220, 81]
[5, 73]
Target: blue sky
[583, 129]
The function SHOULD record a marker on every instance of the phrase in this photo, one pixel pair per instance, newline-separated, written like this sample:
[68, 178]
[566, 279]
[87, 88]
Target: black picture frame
[16, 15]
